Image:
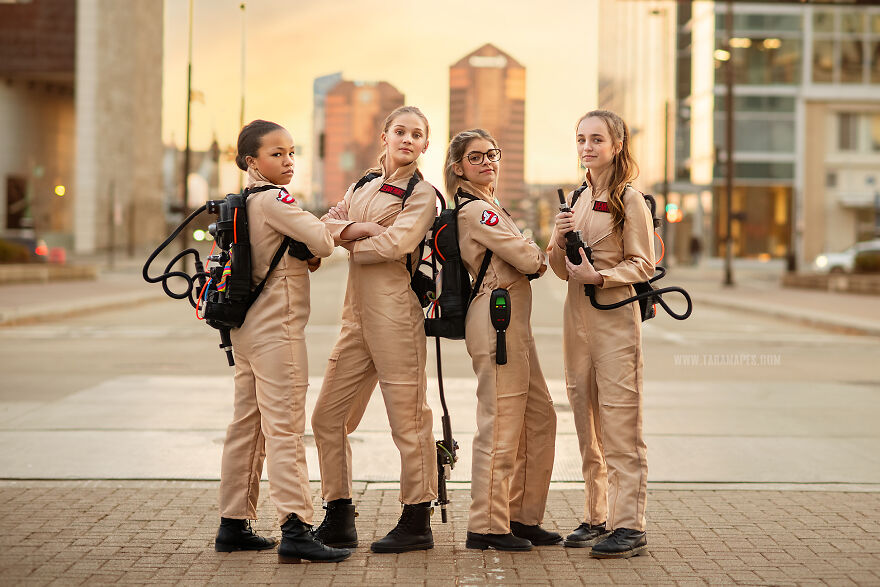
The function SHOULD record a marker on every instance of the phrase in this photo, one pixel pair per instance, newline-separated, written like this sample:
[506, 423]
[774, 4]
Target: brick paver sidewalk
[100, 532]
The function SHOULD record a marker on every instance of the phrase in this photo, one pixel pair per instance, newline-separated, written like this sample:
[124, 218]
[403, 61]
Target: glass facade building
[806, 106]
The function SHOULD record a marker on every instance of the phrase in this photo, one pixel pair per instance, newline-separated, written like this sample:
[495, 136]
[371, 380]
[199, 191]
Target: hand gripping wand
[574, 243]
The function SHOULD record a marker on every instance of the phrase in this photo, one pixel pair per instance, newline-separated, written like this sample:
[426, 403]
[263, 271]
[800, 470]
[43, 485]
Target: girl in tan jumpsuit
[603, 348]
[271, 374]
[516, 425]
[382, 340]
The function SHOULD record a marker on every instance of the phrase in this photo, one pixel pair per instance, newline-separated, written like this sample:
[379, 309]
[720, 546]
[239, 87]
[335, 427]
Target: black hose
[654, 293]
[180, 274]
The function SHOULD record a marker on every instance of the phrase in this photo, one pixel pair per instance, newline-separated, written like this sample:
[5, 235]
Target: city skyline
[409, 46]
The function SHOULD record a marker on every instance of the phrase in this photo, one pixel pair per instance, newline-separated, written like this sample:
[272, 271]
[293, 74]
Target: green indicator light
[500, 302]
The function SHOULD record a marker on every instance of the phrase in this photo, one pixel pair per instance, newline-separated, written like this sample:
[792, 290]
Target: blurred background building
[806, 119]
[320, 87]
[80, 109]
[347, 142]
[487, 89]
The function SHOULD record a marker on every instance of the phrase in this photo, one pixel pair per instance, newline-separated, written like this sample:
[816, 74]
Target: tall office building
[353, 117]
[487, 89]
[806, 106]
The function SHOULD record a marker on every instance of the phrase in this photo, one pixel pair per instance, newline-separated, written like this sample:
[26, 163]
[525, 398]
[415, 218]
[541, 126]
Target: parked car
[844, 262]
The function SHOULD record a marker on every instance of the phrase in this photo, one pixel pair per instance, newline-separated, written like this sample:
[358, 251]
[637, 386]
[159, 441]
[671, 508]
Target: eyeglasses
[476, 158]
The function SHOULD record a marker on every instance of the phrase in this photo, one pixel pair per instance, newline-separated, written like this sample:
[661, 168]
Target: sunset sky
[408, 44]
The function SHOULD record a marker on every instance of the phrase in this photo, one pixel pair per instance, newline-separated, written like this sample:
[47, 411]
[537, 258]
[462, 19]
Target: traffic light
[673, 214]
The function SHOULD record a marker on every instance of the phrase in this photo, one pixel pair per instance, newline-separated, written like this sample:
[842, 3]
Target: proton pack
[646, 294]
[224, 292]
[447, 318]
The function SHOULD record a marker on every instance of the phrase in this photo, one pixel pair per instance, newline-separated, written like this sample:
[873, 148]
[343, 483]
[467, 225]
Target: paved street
[764, 465]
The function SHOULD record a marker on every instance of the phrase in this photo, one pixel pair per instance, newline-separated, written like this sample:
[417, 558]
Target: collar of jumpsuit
[486, 193]
[256, 179]
[400, 173]
[597, 185]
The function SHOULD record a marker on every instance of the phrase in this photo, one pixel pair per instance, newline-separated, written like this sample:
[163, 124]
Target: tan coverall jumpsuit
[271, 369]
[603, 359]
[516, 424]
[382, 340]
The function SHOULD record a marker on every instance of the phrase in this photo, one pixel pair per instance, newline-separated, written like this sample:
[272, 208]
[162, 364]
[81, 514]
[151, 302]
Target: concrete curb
[836, 323]
[53, 311]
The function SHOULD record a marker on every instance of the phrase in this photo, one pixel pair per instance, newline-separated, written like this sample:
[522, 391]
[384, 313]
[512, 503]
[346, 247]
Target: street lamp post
[666, 90]
[728, 239]
[184, 204]
[243, 61]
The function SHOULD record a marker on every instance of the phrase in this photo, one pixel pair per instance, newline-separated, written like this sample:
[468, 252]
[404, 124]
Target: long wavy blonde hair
[623, 167]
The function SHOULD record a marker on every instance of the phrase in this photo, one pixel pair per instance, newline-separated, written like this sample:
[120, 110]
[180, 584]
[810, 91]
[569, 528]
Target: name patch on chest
[489, 218]
[394, 190]
[285, 197]
[601, 206]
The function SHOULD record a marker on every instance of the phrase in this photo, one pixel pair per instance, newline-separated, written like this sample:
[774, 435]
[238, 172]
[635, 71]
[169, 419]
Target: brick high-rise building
[487, 89]
[353, 117]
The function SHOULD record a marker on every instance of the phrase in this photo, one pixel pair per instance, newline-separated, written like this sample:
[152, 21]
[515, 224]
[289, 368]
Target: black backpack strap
[577, 193]
[365, 180]
[413, 182]
[275, 260]
[487, 258]
[262, 188]
[480, 275]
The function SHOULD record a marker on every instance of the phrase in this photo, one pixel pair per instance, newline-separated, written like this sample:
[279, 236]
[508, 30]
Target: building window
[846, 46]
[858, 132]
[760, 22]
[851, 61]
[847, 131]
[874, 55]
[823, 61]
[758, 134]
[874, 129]
[767, 48]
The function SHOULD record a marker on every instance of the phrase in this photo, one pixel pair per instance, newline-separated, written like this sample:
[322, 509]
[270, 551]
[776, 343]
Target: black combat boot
[586, 535]
[497, 541]
[337, 529]
[535, 534]
[623, 543]
[298, 544]
[412, 532]
[236, 535]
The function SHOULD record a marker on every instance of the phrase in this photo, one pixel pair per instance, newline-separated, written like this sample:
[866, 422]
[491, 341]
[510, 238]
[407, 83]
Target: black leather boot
[337, 529]
[412, 532]
[586, 535]
[623, 543]
[497, 541]
[298, 544]
[235, 535]
[535, 534]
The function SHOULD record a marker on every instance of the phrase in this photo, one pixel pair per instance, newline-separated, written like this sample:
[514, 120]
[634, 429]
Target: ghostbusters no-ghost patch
[489, 218]
[286, 197]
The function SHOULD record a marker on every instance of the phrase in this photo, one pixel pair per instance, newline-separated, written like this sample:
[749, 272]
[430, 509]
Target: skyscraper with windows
[487, 89]
[806, 107]
[353, 117]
